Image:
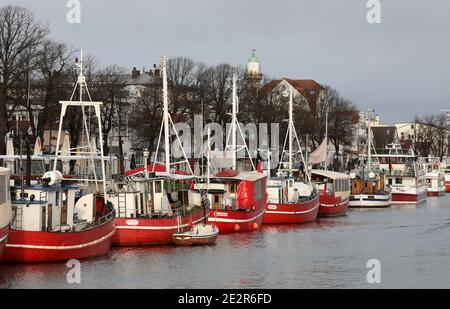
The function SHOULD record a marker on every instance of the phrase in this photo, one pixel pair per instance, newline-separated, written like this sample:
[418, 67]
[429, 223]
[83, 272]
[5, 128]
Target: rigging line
[157, 148]
[181, 145]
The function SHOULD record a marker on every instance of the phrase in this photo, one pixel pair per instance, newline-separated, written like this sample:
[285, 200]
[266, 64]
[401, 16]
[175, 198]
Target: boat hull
[436, 193]
[292, 213]
[153, 231]
[332, 206]
[3, 238]
[370, 201]
[229, 221]
[38, 247]
[409, 198]
[447, 186]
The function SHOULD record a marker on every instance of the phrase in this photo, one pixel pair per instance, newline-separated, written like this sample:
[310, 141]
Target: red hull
[153, 231]
[229, 221]
[447, 186]
[332, 206]
[436, 194]
[35, 247]
[3, 238]
[398, 198]
[292, 213]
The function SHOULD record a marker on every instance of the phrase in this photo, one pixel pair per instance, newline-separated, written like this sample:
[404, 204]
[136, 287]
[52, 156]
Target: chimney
[135, 73]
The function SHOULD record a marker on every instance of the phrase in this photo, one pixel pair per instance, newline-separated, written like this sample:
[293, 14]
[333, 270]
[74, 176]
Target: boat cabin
[285, 189]
[157, 196]
[233, 191]
[332, 183]
[5, 198]
[52, 208]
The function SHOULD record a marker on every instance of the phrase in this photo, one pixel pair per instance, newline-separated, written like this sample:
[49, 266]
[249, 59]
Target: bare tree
[109, 88]
[431, 136]
[146, 115]
[53, 62]
[342, 117]
[20, 34]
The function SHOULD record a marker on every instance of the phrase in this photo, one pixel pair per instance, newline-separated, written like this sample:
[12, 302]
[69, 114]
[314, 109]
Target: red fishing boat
[334, 190]
[64, 217]
[5, 208]
[290, 201]
[447, 181]
[237, 200]
[291, 197]
[150, 209]
[155, 202]
[51, 222]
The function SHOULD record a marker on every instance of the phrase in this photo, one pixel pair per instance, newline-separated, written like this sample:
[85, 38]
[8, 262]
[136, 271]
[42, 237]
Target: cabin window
[399, 181]
[257, 190]
[158, 187]
[428, 181]
[3, 190]
[150, 187]
[233, 188]
[216, 199]
[390, 181]
[330, 188]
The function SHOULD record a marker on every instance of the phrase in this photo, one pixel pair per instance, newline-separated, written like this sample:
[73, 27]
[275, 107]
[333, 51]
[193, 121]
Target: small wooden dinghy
[200, 235]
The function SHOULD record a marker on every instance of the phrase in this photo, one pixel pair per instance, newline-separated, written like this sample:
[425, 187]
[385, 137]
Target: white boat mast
[235, 128]
[166, 115]
[166, 125]
[326, 135]
[89, 151]
[369, 143]
[208, 158]
[290, 128]
[291, 134]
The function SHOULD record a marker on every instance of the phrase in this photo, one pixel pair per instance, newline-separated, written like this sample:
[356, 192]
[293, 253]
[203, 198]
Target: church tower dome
[253, 76]
[253, 65]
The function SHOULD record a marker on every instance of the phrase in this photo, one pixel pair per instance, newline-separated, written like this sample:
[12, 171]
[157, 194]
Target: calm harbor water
[411, 243]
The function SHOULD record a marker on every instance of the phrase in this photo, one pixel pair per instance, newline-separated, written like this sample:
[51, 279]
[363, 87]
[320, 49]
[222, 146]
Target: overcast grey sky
[400, 67]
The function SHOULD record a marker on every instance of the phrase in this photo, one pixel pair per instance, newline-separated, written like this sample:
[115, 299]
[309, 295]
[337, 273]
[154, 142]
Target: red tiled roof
[309, 89]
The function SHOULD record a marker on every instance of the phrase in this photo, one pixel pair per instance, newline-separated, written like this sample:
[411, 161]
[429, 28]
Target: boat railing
[399, 173]
[106, 218]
